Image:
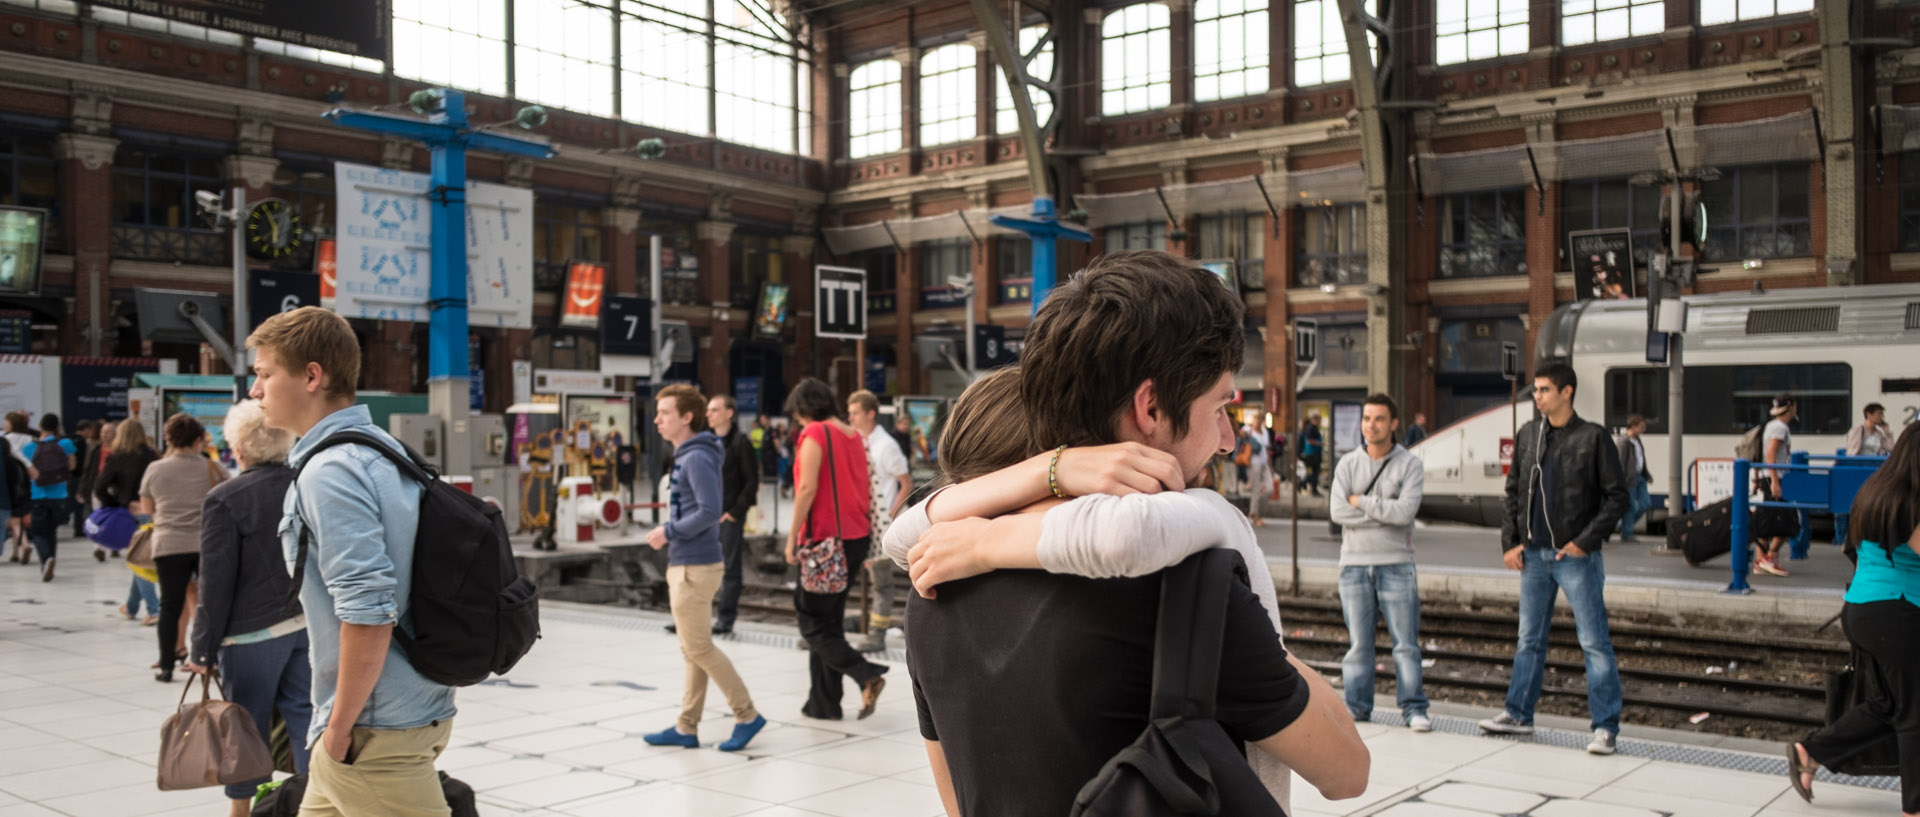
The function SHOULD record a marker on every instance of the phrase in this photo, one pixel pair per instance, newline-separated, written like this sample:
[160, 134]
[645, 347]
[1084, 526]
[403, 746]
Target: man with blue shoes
[378, 724]
[695, 569]
[1565, 494]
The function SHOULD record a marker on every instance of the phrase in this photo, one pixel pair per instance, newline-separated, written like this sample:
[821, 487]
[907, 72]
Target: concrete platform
[80, 719]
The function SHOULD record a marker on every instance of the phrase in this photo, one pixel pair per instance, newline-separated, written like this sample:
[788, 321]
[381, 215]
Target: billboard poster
[1602, 263]
[357, 27]
[22, 231]
[586, 288]
[95, 388]
[926, 417]
[772, 314]
[325, 266]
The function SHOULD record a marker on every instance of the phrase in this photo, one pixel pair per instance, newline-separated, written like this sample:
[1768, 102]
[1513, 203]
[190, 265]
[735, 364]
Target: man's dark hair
[728, 401]
[1127, 318]
[1561, 374]
[1873, 407]
[50, 423]
[1378, 399]
[812, 400]
[1634, 420]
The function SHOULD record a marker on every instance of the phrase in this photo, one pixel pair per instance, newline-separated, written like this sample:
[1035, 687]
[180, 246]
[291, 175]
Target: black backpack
[1184, 762]
[53, 463]
[472, 612]
[19, 483]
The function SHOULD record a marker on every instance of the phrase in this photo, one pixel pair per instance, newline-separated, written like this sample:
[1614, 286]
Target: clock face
[273, 229]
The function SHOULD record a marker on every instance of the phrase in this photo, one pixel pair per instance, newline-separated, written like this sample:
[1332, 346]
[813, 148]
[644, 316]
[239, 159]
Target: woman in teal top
[1882, 618]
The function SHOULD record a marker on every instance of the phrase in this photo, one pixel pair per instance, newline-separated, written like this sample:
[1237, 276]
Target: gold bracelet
[1053, 473]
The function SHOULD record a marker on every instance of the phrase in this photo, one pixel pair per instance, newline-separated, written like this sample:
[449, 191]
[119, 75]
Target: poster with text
[383, 256]
[95, 388]
[1602, 263]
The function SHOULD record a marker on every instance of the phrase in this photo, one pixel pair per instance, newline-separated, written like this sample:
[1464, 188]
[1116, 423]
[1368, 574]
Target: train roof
[1798, 317]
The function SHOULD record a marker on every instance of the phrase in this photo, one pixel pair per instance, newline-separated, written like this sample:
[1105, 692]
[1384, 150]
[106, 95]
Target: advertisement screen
[586, 282]
[22, 230]
[926, 417]
[207, 406]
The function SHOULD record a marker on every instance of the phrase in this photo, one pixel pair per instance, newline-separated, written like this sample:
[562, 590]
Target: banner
[357, 27]
[586, 288]
[384, 254]
[325, 266]
[95, 388]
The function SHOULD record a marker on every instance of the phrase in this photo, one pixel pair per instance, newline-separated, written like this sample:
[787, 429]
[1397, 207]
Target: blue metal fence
[1828, 487]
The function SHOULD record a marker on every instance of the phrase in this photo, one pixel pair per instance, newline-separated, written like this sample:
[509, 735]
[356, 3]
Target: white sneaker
[1420, 723]
[1602, 744]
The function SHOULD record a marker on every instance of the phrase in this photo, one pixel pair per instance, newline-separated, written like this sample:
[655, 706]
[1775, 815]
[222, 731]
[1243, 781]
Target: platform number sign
[1306, 341]
[840, 302]
[1509, 360]
[626, 326]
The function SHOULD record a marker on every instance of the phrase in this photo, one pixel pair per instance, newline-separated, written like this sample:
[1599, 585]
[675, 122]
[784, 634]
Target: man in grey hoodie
[1376, 492]
[694, 570]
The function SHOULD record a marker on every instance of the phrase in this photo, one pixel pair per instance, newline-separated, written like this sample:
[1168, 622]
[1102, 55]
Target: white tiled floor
[80, 719]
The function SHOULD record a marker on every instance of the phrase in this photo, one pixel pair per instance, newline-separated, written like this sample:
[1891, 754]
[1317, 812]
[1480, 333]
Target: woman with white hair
[242, 625]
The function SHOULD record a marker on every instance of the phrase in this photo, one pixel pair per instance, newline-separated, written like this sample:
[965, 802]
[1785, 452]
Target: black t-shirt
[1032, 681]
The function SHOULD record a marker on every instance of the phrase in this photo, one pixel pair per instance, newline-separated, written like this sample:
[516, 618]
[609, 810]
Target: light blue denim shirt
[363, 514]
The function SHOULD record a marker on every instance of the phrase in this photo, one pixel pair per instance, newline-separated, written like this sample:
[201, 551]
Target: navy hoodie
[693, 537]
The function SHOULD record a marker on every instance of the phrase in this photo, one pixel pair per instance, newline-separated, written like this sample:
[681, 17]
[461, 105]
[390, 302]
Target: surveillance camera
[208, 200]
[959, 281]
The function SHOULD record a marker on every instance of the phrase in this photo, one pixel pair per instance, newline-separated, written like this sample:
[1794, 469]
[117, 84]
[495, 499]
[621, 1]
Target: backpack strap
[1189, 634]
[411, 465]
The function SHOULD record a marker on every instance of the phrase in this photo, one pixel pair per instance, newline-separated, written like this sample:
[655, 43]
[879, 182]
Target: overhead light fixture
[530, 117]
[653, 148]
[424, 101]
[1329, 287]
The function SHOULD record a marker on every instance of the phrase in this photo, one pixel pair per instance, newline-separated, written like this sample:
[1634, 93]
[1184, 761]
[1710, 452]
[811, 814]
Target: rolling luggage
[1704, 534]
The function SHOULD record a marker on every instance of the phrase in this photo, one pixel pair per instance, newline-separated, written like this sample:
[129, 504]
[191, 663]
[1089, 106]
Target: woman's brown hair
[1887, 508]
[183, 432]
[19, 422]
[131, 438]
[988, 429]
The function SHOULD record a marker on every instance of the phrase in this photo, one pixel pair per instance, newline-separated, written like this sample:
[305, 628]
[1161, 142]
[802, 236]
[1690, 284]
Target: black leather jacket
[1589, 492]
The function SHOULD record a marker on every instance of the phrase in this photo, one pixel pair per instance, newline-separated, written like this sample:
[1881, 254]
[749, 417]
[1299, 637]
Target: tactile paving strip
[1564, 738]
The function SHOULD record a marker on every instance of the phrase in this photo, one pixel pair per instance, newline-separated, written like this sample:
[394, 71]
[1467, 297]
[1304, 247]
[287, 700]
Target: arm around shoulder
[1105, 536]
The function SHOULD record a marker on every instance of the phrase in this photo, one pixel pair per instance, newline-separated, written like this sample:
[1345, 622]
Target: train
[1834, 349]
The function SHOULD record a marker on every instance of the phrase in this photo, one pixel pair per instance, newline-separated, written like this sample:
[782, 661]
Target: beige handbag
[211, 743]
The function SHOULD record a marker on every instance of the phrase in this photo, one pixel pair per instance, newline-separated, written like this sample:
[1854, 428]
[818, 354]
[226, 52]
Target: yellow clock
[273, 229]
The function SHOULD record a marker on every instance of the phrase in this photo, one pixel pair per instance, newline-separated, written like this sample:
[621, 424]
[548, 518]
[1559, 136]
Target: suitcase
[1704, 534]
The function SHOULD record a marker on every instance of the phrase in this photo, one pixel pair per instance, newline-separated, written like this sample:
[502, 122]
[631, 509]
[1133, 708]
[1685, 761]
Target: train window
[1824, 392]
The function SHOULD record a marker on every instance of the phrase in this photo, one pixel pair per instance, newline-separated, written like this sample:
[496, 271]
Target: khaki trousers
[388, 773]
[690, 592]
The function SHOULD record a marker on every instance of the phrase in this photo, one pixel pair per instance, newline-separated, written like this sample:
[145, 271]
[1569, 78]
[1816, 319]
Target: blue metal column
[1738, 528]
[1043, 229]
[447, 291]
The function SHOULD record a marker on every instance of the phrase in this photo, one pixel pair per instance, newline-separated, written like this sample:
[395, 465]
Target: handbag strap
[833, 480]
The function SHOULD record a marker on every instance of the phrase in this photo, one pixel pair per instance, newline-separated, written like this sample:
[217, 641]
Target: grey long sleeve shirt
[1379, 531]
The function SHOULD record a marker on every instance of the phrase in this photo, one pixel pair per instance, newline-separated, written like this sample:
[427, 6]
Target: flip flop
[1795, 769]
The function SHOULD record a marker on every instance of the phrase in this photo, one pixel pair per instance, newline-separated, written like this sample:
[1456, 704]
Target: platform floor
[80, 718]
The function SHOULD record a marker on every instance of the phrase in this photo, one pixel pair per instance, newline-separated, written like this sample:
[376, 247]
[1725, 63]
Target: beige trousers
[690, 592]
[388, 773]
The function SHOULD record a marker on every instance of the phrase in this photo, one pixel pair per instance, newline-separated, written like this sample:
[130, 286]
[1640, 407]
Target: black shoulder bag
[1184, 762]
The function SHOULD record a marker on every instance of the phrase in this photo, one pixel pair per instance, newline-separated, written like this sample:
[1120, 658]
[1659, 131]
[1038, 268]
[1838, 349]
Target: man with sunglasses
[1565, 495]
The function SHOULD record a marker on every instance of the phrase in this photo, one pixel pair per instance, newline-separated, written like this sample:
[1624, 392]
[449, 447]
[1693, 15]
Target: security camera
[959, 281]
[208, 200]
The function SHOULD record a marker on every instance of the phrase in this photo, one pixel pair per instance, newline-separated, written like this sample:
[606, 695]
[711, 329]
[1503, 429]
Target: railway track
[1747, 684]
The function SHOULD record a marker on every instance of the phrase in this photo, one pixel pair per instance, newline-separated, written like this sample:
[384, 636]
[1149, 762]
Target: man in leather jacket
[1565, 495]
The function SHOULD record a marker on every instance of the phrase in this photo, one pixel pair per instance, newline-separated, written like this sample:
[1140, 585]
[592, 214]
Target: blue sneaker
[672, 736]
[744, 732]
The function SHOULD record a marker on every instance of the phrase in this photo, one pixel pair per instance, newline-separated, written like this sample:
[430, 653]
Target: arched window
[1229, 49]
[947, 97]
[1136, 59]
[873, 109]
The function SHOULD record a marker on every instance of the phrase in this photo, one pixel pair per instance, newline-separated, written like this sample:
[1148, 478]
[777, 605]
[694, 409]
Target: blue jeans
[143, 591]
[1638, 501]
[1365, 594]
[263, 676]
[1584, 579]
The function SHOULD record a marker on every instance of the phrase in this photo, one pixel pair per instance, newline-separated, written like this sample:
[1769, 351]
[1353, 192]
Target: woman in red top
[829, 500]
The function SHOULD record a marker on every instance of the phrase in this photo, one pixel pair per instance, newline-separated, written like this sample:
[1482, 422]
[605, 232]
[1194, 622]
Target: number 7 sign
[840, 302]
